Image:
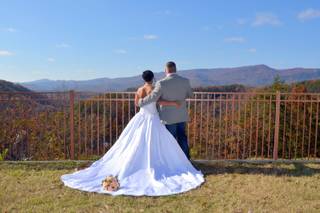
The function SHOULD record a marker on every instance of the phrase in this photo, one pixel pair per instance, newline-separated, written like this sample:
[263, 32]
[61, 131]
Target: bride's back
[145, 90]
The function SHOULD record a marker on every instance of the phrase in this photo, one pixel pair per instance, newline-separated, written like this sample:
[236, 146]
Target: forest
[226, 122]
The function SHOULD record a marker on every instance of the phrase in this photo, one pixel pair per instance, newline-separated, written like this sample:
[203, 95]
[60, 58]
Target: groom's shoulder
[183, 79]
[175, 78]
[161, 81]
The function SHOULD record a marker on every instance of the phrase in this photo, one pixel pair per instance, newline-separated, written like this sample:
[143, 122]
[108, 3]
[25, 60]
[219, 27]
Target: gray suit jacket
[171, 88]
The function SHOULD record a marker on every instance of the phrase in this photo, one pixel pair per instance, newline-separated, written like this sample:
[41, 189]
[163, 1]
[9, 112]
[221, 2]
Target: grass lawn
[229, 187]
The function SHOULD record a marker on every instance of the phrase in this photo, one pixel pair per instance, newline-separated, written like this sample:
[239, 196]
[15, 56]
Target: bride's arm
[138, 96]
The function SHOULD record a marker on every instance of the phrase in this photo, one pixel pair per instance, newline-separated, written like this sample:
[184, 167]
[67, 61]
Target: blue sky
[86, 39]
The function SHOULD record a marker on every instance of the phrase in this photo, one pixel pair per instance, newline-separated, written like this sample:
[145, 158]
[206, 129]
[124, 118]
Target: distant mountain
[256, 75]
[6, 86]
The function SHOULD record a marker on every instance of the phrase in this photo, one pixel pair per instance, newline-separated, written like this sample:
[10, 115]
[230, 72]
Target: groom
[173, 88]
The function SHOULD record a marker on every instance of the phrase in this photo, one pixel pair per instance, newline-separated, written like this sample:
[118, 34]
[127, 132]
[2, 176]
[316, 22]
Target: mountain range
[255, 75]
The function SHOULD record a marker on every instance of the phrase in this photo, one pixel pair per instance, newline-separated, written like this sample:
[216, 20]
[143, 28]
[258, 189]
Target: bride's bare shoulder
[141, 92]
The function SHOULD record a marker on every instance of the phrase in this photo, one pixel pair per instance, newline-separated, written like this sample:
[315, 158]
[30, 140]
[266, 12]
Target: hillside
[256, 75]
[6, 86]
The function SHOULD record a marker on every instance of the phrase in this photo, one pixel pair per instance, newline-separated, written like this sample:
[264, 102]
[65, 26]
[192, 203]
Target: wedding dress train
[146, 159]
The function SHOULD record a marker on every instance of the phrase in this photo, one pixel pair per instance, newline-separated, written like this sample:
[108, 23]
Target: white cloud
[165, 12]
[266, 19]
[10, 30]
[235, 40]
[252, 50]
[150, 37]
[5, 53]
[219, 27]
[206, 28]
[51, 60]
[63, 45]
[309, 14]
[209, 28]
[120, 51]
[241, 21]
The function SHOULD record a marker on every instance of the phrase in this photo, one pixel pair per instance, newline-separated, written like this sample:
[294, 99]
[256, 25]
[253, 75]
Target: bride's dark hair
[148, 76]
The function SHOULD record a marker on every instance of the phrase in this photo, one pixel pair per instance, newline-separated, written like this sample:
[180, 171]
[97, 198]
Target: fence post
[71, 94]
[277, 126]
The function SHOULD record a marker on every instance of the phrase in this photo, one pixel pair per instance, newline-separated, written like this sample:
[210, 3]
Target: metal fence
[223, 125]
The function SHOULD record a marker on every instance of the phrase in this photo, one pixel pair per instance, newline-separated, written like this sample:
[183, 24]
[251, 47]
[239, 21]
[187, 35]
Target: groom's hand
[178, 104]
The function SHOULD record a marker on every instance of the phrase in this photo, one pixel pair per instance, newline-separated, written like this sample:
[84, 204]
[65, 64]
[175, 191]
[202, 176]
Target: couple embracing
[151, 156]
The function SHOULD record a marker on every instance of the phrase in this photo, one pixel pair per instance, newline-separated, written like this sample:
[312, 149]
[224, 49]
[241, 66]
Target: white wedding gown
[146, 159]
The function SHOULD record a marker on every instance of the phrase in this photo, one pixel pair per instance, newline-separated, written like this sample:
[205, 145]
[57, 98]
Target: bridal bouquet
[110, 183]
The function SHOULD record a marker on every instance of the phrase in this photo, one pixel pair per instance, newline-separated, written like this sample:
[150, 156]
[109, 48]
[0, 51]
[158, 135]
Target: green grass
[229, 187]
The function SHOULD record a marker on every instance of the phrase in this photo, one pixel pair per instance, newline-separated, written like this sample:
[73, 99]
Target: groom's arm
[189, 90]
[153, 97]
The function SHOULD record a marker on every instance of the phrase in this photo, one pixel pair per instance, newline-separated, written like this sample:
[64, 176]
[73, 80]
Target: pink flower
[110, 184]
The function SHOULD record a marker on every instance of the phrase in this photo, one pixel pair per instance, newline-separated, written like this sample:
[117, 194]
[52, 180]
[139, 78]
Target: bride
[146, 158]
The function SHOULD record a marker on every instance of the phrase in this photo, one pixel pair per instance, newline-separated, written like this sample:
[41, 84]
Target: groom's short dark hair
[171, 66]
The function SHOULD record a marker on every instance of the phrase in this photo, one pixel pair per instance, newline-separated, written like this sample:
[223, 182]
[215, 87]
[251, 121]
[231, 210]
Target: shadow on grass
[274, 169]
[208, 168]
